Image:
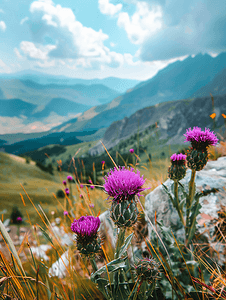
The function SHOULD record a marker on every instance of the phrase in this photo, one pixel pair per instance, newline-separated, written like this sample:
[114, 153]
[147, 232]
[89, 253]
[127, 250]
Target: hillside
[38, 184]
[172, 119]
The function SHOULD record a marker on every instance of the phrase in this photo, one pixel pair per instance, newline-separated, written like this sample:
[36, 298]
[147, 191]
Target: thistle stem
[120, 241]
[93, 264]
[177, 200]
[191, 188]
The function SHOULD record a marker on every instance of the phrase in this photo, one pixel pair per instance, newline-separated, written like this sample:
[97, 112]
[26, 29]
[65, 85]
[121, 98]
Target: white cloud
[143, 23]
[189, 27]
[2, 26]
[46, 64]
[107, 8]
[72, 40]
[4, 68]
[112, 44]
[24, 20]
[17, 52]
[32, 51]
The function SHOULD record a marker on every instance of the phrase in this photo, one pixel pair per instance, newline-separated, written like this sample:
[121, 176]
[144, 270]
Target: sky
[101, 38]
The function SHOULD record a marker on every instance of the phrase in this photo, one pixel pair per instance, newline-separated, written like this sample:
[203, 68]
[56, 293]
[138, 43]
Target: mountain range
[188, 79]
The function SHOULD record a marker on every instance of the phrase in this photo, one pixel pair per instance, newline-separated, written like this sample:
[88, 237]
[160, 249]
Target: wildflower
[123, 183]
[19, 220]
[81, 196]
[199, 139]
[90, 181]
[81, 186]
[64, 182]
[67, 191]
[69, 178]
[86, 228]
[103, 162]
[92, 187]
[131, 151]
[65, 213]
[177, 170]
[197, 156]
[91, 205]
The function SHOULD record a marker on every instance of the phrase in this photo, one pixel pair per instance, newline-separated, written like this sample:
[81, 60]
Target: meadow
[25, 274]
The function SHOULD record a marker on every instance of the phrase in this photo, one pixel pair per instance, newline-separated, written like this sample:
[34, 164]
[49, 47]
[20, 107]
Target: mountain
[16, 108]
[179, 80]
[39, 94]
[172, 119]
[217, 86]
[120, 85]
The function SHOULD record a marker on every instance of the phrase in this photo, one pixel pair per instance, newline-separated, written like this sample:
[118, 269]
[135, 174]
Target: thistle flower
[65, 213]
[69, 178]
[177, 170]
[19, 219]
[64, 182]
[199, 139]
[131, 151]
[123, 183]
[92, 187]
[90, 181]
[86, 229]
[103, 162]
[67, 191]
[81, 186]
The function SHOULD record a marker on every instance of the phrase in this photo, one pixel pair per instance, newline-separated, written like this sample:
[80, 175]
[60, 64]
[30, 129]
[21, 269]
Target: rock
[59, 267]
[107, 228]
[211, 180]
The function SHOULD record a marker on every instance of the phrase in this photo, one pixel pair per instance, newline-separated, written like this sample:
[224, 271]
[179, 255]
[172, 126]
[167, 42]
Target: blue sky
[101, 38]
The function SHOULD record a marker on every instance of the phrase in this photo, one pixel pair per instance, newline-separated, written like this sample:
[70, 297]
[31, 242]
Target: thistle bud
[177, 170]
[147, 269]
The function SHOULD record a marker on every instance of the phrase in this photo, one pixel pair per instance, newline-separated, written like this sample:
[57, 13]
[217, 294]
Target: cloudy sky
[102, 38]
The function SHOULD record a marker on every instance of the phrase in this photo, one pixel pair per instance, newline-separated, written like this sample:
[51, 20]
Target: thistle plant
[197, 157]
[122, 185]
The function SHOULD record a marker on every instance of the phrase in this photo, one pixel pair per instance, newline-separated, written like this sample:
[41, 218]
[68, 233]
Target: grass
[34, 192]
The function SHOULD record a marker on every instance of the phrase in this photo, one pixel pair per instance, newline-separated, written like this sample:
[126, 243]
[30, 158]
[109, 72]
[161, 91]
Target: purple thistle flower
[103, 162]
[67, 191]
[65, 213]
[19, 219]
[86, 226]
[81, 196]
[91, 205]
[178, 158]
[131, 151]
[69, 178]
[92, 187]
[81, 186]
[90, 181]
[64, 182]
[200, 139]
[123, 183]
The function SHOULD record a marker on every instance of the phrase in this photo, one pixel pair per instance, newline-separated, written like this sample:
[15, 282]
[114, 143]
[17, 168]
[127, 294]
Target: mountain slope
[172, 118]
[15, 108]
[178, 80]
